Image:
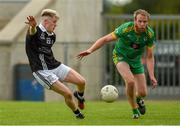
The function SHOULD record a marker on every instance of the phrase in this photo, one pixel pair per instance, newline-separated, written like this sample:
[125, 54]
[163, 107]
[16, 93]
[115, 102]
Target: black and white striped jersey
[38, 50]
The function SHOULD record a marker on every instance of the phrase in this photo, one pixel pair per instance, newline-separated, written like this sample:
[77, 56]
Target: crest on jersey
[145, 38]
[42, 36]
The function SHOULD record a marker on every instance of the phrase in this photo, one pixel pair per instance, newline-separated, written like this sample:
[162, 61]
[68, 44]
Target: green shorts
[136, 67]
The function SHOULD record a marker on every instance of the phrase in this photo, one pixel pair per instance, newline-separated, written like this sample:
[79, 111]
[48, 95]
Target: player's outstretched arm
[83, 53]
[98, 44]
[32, 25]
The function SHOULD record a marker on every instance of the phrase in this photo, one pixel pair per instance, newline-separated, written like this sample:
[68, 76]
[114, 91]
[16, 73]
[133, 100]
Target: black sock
[81, 93]
[76, 111]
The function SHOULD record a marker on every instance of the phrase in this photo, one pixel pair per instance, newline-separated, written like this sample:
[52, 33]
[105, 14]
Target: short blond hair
[49, 13]
[141, 11]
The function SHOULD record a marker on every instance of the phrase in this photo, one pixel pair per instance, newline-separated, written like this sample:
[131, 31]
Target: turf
[96, 112]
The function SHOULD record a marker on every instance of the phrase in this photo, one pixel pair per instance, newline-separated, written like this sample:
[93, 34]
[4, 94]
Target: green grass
[97, 113]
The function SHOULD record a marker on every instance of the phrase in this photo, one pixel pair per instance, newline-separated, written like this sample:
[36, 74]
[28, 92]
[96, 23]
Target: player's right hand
[83, 53]
[154, 82]
[31, 21]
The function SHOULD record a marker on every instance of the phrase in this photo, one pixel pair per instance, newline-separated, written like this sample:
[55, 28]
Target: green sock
[136, 111]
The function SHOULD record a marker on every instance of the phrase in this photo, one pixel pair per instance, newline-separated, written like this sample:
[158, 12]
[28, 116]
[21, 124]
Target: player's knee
[130, 82]
[68, 95]
[82, 81]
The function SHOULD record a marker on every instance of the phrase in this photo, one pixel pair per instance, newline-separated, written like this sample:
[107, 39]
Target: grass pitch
[96, 113]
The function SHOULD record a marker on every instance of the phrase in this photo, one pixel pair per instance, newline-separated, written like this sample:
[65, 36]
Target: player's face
[51, 24]
[141, 22]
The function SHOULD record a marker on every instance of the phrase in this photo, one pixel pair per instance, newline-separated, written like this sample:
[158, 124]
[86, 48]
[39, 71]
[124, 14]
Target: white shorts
[47, 77]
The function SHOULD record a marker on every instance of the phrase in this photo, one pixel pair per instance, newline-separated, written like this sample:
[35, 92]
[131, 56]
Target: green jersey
[130, 44]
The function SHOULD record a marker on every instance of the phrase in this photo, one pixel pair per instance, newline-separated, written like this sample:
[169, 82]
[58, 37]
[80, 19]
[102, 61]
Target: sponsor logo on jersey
[49, 41]
[135, 45]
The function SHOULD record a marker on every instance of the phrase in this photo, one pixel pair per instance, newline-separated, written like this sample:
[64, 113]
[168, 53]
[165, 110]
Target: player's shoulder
[128, 24]
[150, 32]
[39, 29]
[124, 28]
[127, 27]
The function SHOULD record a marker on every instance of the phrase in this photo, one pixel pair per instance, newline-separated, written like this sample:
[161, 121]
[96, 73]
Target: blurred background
[81, 23]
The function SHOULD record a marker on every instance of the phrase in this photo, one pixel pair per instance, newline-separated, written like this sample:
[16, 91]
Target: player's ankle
[76, 112]
[139, 98]
[80, 98]
[81, 94]
[136, 111]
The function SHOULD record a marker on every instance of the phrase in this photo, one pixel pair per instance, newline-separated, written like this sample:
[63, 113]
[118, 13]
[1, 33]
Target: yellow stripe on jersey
[150, 34]
[128, 29]
[114, 35]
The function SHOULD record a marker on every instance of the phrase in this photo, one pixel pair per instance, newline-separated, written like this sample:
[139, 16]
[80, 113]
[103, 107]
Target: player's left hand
[154, 82]
[31, 21]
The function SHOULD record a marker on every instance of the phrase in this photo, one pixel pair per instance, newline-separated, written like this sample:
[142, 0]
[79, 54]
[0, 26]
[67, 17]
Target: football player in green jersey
[132, 39]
